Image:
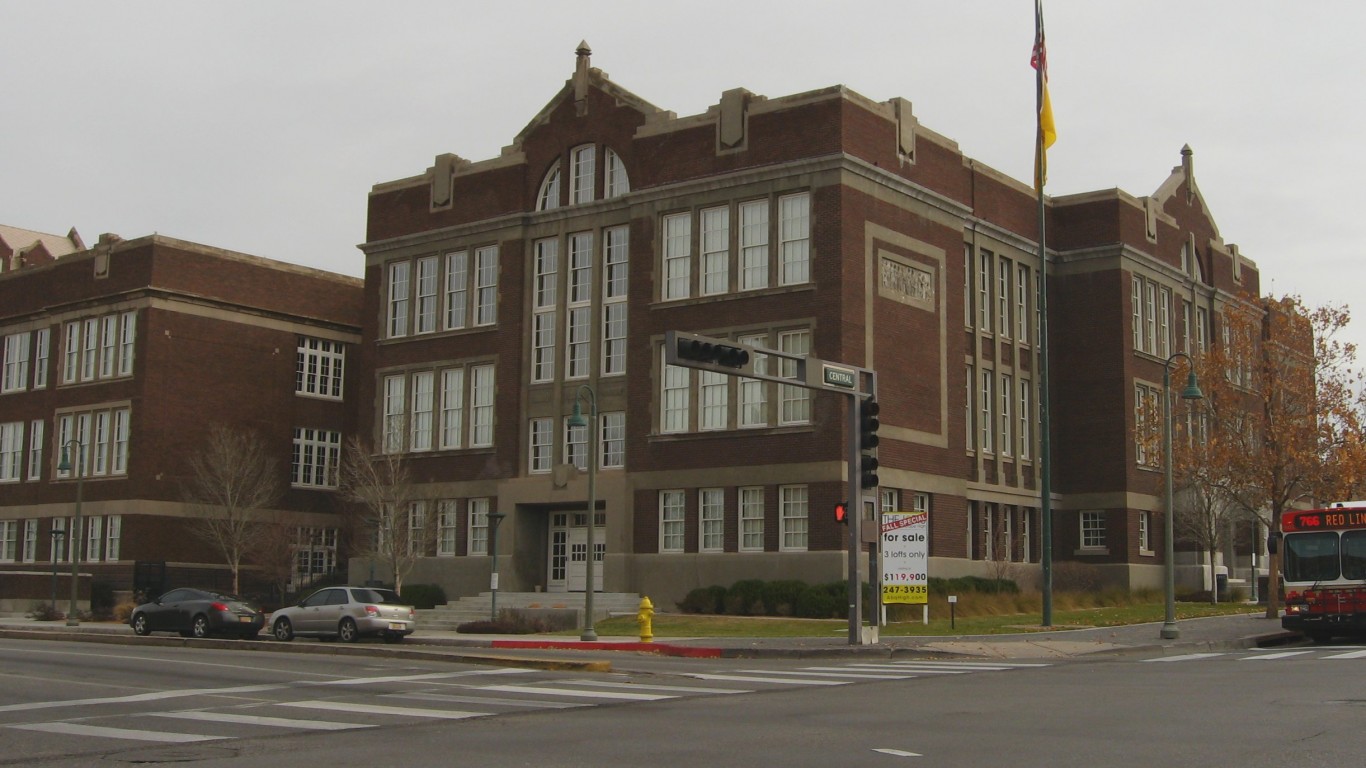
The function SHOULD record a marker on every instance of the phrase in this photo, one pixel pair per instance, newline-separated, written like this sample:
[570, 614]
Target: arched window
[581, 162]
[549, 196]
[615, 181]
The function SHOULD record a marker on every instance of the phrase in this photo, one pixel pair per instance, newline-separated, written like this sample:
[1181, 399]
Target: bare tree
[235, 477]
[394, 526]
[1203, 517]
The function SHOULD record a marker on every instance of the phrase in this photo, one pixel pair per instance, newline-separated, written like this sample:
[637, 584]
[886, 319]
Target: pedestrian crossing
[345, 704]
[1322, 652]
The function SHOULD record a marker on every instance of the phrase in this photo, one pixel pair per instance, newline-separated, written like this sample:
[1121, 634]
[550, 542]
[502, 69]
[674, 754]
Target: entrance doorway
[569, 551]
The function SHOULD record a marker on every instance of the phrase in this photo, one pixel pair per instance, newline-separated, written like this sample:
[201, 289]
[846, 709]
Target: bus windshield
[1354, 555]
[1311, 556]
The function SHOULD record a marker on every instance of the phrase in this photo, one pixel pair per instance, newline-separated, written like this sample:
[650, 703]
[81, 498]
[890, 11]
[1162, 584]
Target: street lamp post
[577, 420]
[74, 541]
[495, 519]
[1190, 392]
[56, 533]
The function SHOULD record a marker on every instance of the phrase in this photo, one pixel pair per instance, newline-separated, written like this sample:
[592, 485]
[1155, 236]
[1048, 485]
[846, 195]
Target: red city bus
[1323, 570]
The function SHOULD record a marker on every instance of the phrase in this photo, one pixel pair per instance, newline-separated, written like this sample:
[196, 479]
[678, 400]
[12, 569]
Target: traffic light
[702, 351]
[868, 440]
[842, 512]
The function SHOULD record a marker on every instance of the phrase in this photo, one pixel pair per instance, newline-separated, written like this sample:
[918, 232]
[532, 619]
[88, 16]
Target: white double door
[576, 567]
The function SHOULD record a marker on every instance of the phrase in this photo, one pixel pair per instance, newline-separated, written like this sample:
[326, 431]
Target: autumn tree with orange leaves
[1281, 423]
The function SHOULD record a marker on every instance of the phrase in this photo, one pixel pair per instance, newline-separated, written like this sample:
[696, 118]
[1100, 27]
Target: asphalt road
[80, 704]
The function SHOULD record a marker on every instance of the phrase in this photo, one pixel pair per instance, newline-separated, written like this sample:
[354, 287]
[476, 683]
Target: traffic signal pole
[857, 385]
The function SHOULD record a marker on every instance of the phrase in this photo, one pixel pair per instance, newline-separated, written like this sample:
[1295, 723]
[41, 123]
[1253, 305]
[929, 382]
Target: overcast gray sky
[261, 126]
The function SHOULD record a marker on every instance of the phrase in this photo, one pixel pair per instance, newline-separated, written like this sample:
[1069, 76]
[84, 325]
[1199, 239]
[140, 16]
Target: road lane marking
[380, 709]
[488, 700]
[1352, 655]
[1185, 657]
[77, 729]
[543, 691]
[643, 687]
[778, 680]
[828, 672]
[970, 664]
[898, 752]
[276, 722]
[1273, 656]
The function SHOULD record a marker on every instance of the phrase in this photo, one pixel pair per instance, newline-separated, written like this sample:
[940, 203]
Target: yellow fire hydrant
[645, 617]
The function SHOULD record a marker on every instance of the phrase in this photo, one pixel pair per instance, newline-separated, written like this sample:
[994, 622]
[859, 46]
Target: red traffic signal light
[842, 512]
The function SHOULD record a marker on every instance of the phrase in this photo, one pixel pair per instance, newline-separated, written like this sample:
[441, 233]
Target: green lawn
[669, 625]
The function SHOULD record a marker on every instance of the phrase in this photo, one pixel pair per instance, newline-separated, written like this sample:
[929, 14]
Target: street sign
[844, 378]
[905, 557]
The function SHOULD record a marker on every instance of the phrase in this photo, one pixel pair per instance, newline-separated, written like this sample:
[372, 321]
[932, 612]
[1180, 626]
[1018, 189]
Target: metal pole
[1045, 407]
[495, 519]
[855, 512]
[72, 619]
[56, 534]
[1169, 630]
[589, 633]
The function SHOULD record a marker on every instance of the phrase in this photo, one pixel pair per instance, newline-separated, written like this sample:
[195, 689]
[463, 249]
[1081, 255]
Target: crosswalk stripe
[921, 670]
[1186, 657]
[828, 672]
[1273, 656]
[488, 701]
[1351, 655]
[78, 729]
[276, 722]
[640, 686]
[379, 709]
[970, 664]
[756, 679]
[543, 691]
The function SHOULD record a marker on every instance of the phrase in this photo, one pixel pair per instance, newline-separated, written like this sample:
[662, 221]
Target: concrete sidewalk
[1220, 632]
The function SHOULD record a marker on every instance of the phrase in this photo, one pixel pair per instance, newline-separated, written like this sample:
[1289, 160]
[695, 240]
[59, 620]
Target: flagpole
[1045, 409]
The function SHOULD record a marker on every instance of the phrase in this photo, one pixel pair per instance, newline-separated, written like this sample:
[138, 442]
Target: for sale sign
[905, 557]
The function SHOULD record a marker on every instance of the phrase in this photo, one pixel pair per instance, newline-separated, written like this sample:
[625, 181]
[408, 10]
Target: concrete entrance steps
[479, 607]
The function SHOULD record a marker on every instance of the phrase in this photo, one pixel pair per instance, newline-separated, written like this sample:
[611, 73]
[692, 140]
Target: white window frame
[615, 180]
[615, 284]
[677, 253]
[316, 458]
[457, 293]
[447, 527]
[794, 239]
[1022, 303]
[715, 247]
[11, 451]
[1003, 273]
[754, 236]
[713, 401]
[751, 534]
[35, 449]
[1026, 434]
[674, 399]
[320, 368]
[30, 541]
[793, 518]
[108, 345]
[985, 260]
[1145, 545]
[482, 387]
[752, 394]
[428, 299]
[582, 173]
[394, 413]
[672, 521]
[128, 331]
[42, 341]
[113, 533]
[576, 445]
[397, 313]
[613, 442]
[1092, 524]
[711, 506]
[452, 408]
[15, 375]
[548, 197]
[486, 285]
[9, 541]
[477, 512]
[1007, 391]
[794, 403]
[986, 421]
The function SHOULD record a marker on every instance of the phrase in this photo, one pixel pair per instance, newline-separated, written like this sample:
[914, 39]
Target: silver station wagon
[346, 614]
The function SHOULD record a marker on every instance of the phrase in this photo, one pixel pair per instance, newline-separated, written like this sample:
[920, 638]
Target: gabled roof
[20, 240]
[1184, 174]
[576, 89]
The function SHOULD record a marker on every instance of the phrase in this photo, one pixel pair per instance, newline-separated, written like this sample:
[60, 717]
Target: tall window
[108, 332]
[420, 433]
[42, 344]
[35, 450]
[9, 540]
[794, 402]
[71, 352]
[447, 526]
[1092, 530]
[398, 299]
[715, 251]
[543, 318]
[967, 285]
[613, 439]
[794, 239]
[614, 178]
[452, 407]
[792, 517]
[30, 548]
[90, 349]
[15, 371]
[753, 245]
[1021, 304]
[541, 446]
[674, 413]
[985, 260]
[94, 530]
[616, 248]
[576, 445]
[128, 330]
[549, 196]
[481, 406]
[1026, 434]
[752, 519]
[395, 413]
[486, 285]
[986, 420]
[317, 458]
[712, 514]
[671, 519]
[753, 393]
[713, 401]
[968, 401]
[320, 367]
[104, 452]
[579, 307]
[113, 531]
[1164, 322]
[457, 288]
[1003, 297]
[581, 164]
[426, 294]
[677, 256]
[1144, 527]
[11, 451]
[1007, 395]
[479, 526]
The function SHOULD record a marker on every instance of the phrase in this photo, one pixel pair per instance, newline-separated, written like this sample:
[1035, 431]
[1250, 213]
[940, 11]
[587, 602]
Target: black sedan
[198, 613]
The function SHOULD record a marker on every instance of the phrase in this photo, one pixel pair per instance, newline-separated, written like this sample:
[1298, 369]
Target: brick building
[126, 355]
[821, 223]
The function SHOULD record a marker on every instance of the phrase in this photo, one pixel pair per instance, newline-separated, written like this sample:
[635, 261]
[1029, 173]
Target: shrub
[704, 600]
[823, 601]
[123, 611]
[780, 597]
[46, 612]
[745, 598]
[423, 595]
[965, 584]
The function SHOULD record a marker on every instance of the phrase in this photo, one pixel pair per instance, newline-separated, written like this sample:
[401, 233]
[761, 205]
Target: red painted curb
[664, 649]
